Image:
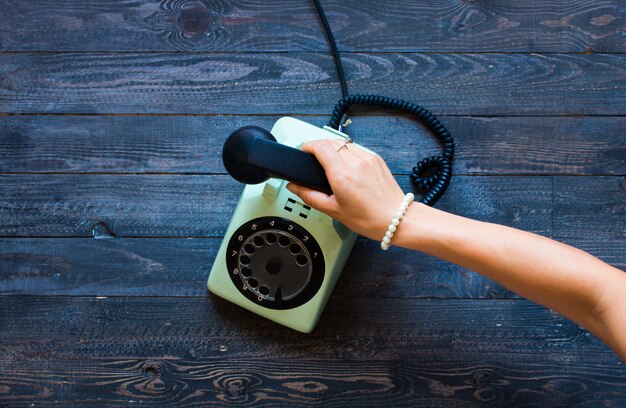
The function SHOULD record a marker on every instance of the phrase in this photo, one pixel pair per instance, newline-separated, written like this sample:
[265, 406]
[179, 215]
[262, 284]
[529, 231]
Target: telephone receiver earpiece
[252, 155]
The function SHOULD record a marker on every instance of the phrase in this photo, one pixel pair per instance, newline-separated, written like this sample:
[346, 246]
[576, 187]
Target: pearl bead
[395, 221]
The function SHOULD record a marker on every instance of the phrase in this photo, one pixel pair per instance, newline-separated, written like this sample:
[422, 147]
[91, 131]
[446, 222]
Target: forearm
[553, 274]
[569, 281]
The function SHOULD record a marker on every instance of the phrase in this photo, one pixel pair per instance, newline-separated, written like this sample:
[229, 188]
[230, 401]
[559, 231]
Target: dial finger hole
[246, 272]
[253, 283]
[249, 249]
[302, 260]
[294, 249]
[271, 238]
[283, 241]
[259, 241]
[244, 259]
[264, 290]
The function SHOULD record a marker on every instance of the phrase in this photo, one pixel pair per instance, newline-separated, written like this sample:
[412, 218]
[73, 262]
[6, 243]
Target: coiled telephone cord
[430, 176]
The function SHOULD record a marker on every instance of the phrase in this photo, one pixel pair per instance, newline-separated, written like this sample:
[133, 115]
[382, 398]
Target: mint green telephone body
[281, 258]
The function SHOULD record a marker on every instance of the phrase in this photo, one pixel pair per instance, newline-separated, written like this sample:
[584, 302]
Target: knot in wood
[194, 20]
[151, 368]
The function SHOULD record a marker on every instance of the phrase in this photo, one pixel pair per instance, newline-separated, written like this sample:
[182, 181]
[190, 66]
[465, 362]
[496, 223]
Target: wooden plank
[448, 25]
[145, 25]
[200, 206]
[503, 145]
[180, 267]
[192, 144]
[441, 25]
[192, 382]
[445, 328]
[459, 84]
[133, 267]
[183, 352]
[590, 207]
[80, 205]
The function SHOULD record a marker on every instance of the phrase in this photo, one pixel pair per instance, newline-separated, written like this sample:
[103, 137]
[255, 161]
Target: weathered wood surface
[193, 144]
[201, 351]
[180, 267]
[590, 207]
[125, 319]
[191, 382]
[64, 205]
[298, 83]
[195, 206]
[442, 25]
[205, 323]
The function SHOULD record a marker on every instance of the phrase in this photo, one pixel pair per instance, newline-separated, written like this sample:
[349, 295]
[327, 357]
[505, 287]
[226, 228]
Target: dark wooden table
[113, 198]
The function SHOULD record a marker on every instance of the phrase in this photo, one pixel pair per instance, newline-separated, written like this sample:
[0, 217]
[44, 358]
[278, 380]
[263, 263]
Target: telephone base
[281, 258]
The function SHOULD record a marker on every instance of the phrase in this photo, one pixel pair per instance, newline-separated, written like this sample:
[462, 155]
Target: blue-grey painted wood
[288, 25]
[180, 267]
[64, 205]
[200, 205]
[305, 83]
[593, 207]
[205, 351]
[193, 144]
[123, 321]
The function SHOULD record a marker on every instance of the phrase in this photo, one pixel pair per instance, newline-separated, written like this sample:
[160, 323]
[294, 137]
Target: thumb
[316, 199]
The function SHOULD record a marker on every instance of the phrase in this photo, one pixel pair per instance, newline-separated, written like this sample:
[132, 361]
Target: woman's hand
[365, 193]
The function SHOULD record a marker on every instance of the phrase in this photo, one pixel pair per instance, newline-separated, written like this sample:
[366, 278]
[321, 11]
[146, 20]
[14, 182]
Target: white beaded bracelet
[386, 242]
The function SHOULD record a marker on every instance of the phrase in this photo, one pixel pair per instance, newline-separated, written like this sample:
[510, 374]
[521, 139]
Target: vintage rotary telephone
[281, 258]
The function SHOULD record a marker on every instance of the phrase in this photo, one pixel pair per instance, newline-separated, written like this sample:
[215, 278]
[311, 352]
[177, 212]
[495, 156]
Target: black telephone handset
[252, 155]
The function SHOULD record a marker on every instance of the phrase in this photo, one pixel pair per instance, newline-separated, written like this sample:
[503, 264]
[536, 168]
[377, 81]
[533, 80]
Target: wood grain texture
[486, 26]
[200, 206]
[207, 25]
[180, 25]
[103, 298]
[199, 326]
[132, 267]
[582, 203]
[185, 352]
[193, 144]
[180, 267]
[301, 83]
[175, 382]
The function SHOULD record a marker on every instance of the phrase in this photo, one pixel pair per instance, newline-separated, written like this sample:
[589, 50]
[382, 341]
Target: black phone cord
[430, 176]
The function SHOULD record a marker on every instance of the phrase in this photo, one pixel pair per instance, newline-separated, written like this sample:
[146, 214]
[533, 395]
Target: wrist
[395, 221]
[411, 230]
